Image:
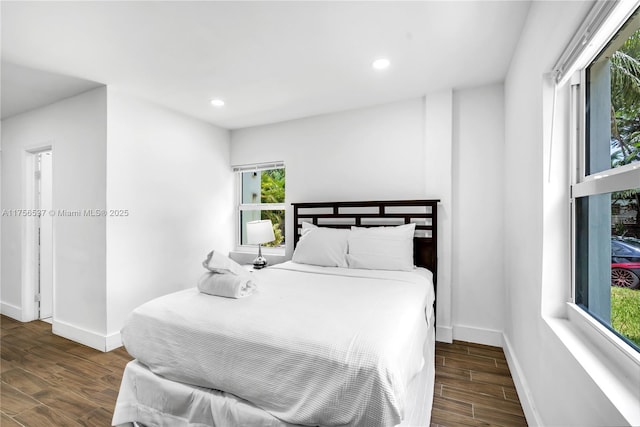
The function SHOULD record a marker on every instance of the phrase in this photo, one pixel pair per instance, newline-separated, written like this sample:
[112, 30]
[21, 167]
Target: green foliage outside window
[625, 119]
[272, 185]
[625, 149]
[625, 312]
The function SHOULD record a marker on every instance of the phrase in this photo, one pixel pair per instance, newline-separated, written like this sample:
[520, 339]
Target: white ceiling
[24, 88]
[270, 61]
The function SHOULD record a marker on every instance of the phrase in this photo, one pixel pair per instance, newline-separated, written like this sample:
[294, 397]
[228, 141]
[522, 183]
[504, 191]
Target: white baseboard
[524, 392]
[69, 331]
[113, 341]
[80, 335]
[478, 335]
[444, 334]
[11, 310]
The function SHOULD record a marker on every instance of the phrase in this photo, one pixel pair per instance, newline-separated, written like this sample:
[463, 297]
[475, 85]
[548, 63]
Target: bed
[350, 344]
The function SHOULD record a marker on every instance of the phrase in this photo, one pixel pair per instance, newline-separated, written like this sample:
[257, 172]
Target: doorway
[44, 235]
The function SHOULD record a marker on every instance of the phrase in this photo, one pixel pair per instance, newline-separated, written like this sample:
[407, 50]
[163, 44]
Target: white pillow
[381, 248]
[322, 246]
[306, 226]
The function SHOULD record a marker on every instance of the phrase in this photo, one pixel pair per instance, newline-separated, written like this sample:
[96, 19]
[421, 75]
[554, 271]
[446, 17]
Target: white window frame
[583, 185]
[607, 181]
[257, 167]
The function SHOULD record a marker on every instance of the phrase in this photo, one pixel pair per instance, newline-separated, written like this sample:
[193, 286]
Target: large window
[261, 195]
[606, 185]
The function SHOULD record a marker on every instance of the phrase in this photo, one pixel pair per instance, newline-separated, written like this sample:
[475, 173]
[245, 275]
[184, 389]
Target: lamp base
[259, 262]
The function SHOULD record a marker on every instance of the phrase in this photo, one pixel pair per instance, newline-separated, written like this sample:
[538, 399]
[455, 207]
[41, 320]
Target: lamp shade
[260, 231]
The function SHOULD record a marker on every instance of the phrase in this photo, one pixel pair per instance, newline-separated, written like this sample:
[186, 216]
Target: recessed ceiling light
[381, 64]
[217, 102]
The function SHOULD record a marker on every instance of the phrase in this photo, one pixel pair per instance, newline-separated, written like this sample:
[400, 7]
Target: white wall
[549, 361]
[113, 152]
[76, 129]
[172, 174]
[438, 160]
[367, 154]
[419, 148]
[478, 167]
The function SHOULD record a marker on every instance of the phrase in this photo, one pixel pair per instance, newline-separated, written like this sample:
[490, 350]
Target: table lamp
[260, 232]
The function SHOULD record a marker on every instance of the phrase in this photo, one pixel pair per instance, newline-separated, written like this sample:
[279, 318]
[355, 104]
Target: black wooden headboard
[376, 214]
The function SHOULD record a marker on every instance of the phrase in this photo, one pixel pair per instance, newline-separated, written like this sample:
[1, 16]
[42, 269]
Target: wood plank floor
[474, 387]
[49, 381]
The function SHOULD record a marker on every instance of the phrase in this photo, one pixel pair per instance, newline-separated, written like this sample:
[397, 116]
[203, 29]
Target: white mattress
[314, 346]
[150, 400]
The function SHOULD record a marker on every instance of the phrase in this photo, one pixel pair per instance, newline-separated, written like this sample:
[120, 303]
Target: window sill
[590, 325]
[611, 364]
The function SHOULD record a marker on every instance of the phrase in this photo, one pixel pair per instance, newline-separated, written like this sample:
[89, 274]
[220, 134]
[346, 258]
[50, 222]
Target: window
[606, 184]
[261, 195]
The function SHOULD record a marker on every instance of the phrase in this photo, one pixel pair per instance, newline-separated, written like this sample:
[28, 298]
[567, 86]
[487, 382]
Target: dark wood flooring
[50, 381]
[474, 387]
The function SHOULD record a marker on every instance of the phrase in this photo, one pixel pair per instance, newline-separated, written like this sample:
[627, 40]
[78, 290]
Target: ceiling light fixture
[381, 64]
[217, 102]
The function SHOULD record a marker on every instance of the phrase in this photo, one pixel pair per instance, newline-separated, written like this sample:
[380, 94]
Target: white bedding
[313, 345]
[150, 400]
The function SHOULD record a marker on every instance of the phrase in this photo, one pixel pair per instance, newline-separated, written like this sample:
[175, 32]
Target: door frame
[30, 247]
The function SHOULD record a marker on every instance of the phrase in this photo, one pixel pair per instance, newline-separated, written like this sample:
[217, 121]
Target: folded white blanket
[226, 284]
[219, 263]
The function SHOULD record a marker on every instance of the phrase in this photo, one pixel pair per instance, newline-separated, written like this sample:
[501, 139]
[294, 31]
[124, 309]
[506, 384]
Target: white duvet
[312, 346]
